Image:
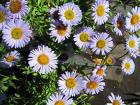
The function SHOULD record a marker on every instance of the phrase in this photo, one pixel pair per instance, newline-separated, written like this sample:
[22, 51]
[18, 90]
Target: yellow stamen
[100, 72]
[128, 66]
[2, 17]
[15, 6]
[135, 19]
[92, 85]
[62, 30]
[84, 37]
[119, 23]
[110, 61]
[101, 43]
[71, 83]
[69, 14]
[10, 58]
[60, 102]
[132, 43]
[43, 59]
[100, 10]
[116, 102]
[17, 33]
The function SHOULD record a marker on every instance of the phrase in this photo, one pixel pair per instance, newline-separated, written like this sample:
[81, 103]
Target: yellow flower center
[60, 102]
[116, 102]
[110, 60]
[119, 23]
[43, 59]
[17, 33]
[15, 6]
[92, 85]
[2, 17]
[71, 83]
[10, 58]
[69, 14]
[101, 43]
[62, 30]
[100, 72]
[132, 43]
[135, 19]
[100, 10]
[127, 66]
[84, 37]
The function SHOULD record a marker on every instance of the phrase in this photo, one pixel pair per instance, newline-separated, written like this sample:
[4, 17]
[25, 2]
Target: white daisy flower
[18, 8]
[70, 83]
[83, 36]
[100, 71]
[100, 11]
[101, 43]
[54, 13]
[133, 20]
[60, 31]
[11, 58]
[4, 14]
[70, 14]
[59, 99]
[43, 60]
[128, 66]
[17, 34]
[94, 84]
[119, 24]
[115, 100]
[132, 45]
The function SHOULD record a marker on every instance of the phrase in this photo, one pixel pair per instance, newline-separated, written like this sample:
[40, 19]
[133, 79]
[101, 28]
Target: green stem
[123, 55]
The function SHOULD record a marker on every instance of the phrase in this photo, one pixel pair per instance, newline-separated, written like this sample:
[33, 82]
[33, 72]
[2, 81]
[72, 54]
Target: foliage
[23, 86]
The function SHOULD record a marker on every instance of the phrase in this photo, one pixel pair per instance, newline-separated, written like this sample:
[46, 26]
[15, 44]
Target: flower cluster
[17, 34]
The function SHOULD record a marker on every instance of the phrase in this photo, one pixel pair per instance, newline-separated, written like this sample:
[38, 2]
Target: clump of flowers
[36, 39]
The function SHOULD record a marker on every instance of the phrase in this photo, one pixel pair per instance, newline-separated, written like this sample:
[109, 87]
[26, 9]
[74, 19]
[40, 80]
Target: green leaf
[17, 95]
[5, 79]
[138, 33]
[4, 88]
[39, 1]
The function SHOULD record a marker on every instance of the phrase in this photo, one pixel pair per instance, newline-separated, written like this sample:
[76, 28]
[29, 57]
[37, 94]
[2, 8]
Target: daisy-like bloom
[3, 16]
[101, 43]
[83, 36]
[100, 71]
[70, 83]
[54, 13]
[43, 60]
[17, 8]
[100, 11]
[115, 100]
[70, 14]
[60, 31]
[133, 20]
[110, 60]
[119, 24]
[59, 99]
[94, 84]
[17, 34]
[128, 66]
[132, 45]
[11, 58]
